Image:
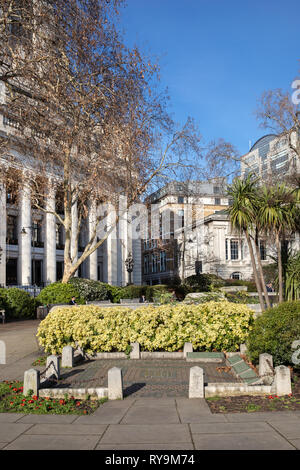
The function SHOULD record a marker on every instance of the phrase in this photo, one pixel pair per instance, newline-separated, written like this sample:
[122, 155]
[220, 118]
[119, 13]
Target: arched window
[236, 275]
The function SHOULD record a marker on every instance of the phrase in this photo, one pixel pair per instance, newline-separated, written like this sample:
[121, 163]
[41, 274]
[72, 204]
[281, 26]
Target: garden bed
[240, 404]
[12, 400]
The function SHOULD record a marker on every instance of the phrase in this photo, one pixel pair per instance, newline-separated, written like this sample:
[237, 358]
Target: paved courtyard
[144, 378]
[146, 419]
[150, 423]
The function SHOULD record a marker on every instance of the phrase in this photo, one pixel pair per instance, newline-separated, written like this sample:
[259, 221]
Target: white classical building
[32, 246]
[32, 241]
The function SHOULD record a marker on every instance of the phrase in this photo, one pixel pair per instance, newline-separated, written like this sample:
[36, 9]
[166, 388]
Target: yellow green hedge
[213, 325]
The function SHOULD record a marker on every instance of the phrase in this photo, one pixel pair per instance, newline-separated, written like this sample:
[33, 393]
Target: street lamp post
[129, 263]
[23, 232]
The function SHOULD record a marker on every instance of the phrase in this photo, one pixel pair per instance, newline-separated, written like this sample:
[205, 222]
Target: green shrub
[205, 297]
[209, 326]
[58, 293]
[204, 282]
[241, 297]
[18, 303]
[251, 286]
[274, 332]
[90, 290]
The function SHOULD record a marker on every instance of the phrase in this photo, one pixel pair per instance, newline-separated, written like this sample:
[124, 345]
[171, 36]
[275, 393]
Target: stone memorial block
[2, 352]
[31, 381]
[67, 357]
[282, 382]
[196, 384]
[243, 348]
[188, 347]
[53, 364]
[115, 384]
[135, 351]
[265, 364]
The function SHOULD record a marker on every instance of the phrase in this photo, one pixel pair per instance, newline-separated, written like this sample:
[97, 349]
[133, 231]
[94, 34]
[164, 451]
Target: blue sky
[218, 56]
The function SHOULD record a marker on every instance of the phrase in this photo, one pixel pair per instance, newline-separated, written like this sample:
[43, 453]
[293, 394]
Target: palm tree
[242, 214]
[276, 214]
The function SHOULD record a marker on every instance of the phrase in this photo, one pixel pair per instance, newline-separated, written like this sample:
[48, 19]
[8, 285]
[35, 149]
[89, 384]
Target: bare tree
[82, 113]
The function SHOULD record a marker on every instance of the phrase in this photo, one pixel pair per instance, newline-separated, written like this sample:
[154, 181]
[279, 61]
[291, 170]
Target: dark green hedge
[17, 303]
[274, 332]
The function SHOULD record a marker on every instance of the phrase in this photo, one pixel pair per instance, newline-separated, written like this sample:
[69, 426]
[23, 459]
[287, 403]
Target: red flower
[22, 404]
[270, 397]
[62, 402]
[78, 403]
[35, 397]
[30, 401]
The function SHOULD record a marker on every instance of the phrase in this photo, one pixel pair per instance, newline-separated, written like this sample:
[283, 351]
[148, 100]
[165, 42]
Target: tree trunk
[261, 273]
[280, 277]
[257, 281]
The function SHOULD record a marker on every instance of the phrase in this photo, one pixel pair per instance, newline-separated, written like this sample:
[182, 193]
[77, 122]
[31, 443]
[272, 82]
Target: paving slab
[67, 429]
[104, 416]
[70, 442]
[154, 401]
[10, 417]
[146, 434]
[296, 443]
[241, 367]
[10, 431]
[260, 416]
[242, 441]
[229, 428]
[288, 428]
[47, 419]
[151, 414]
[168, 446]
[196, 410]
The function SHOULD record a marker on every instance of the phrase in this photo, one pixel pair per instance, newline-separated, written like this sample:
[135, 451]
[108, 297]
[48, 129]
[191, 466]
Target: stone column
[111, 253]
[74, 232]
[50, 239]
[24, 260]
[123, 248]
[3, 235]
[93, 258]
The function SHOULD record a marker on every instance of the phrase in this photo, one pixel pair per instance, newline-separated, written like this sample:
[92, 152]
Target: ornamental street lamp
[129, 263]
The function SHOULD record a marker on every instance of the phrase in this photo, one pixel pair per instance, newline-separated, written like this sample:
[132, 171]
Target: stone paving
[143, 378]
[150, 423]
[138, 422]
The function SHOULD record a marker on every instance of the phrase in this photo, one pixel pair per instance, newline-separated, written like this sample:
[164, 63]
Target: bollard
[67, 357]
[115, 384]
[135, 351]
[188, 347]
[265, 364]
[196, 384]
[31, 381]
[53, 364]
[282, 382]
[2, 352]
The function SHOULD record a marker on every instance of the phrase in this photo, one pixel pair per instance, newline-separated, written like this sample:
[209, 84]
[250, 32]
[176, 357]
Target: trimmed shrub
[241, 297]
[239, 282]
[17, 303]
[58, 293]
[90, 290]
[204, 282]
[209, 326]
[274, 332]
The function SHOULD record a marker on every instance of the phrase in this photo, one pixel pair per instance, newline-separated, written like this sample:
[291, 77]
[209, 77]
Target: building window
[198, 267]
[263, 250]
[180, 199]
[37, 234]
[59, 237]
[12, 230]
[180, 215]
[163, 259]
[226, 249]
[217, 201]
[234, 249]
[146, 264]
[217, 190]
[236, 275]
